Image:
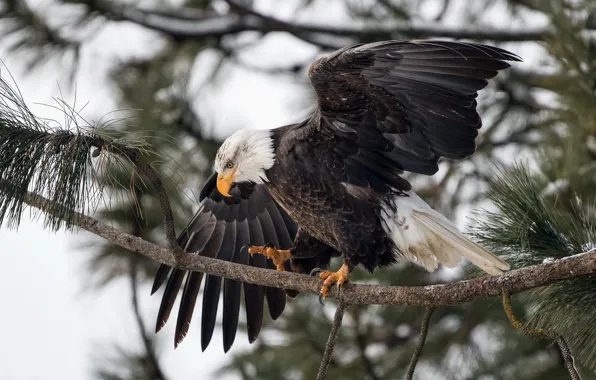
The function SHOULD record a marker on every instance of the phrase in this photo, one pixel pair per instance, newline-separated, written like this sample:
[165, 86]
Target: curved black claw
[321, 298]
[316, 272]
[268, 245]
[246, 246]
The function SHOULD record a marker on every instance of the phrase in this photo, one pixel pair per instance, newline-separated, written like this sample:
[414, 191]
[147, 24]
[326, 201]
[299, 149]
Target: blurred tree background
[543, 110]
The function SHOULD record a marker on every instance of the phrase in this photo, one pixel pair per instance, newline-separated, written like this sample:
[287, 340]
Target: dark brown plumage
[334, 187]
[223, 228]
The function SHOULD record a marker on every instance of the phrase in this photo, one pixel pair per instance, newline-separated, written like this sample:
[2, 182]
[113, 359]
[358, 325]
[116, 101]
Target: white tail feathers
[428, 238]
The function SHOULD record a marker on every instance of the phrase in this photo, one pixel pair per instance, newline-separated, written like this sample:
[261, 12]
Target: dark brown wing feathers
[222, 228]
[401, 105]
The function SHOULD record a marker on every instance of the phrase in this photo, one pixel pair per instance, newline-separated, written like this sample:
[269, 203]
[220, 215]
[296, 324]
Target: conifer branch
[535, 333]
[542, 334]
[333, 334]
[164, 203]
[58, 162]
[180, 26]
[421, 341]
[455, 293]
[568, 358]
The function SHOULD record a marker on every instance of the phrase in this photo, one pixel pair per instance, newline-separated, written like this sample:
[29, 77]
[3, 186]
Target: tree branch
[535, 333]
[427, 296]
[182, 27]
[154, 371]
[164, 203]
[333, 334]
[568, 359]
[26, 30]
[564, 350]
[362, 341]
[421, 341]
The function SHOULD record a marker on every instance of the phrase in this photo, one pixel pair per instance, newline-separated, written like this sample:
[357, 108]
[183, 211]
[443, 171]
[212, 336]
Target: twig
[542, 334]
[155, 369]
[427, 296]
[535, 333]
[568, 358]
[164, 203]
[362, 340]
[421, 340]
[333, 334]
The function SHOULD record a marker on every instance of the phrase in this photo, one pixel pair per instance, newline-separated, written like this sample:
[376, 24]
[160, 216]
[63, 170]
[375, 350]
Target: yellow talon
[340, 277]
[278, 256]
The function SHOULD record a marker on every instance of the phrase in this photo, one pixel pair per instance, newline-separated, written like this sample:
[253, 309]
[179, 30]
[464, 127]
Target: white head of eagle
[244, 157]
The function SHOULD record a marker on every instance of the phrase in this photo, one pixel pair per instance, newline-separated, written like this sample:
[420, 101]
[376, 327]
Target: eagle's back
[306, 181]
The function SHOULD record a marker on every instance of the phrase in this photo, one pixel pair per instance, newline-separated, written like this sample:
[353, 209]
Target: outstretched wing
[400, 106]
[221, 228]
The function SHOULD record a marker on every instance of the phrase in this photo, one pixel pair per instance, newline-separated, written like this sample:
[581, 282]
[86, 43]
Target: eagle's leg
[340, 277]
[278, 256]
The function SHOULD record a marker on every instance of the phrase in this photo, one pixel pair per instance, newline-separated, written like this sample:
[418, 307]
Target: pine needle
[529, 229]
[56, 162]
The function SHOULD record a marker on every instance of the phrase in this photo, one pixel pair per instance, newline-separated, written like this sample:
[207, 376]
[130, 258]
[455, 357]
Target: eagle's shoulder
[286, 138]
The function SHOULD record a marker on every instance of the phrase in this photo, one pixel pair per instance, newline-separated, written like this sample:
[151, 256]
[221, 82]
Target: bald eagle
[294, 197]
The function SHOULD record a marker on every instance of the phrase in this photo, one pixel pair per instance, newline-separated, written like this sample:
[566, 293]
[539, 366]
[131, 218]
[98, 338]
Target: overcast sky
[45, 316]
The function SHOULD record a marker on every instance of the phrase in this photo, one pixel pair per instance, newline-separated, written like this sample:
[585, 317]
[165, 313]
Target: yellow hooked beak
[224, 182]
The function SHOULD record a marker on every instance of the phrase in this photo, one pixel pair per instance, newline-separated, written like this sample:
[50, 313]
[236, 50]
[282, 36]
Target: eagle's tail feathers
[449, 246]
[426, 237]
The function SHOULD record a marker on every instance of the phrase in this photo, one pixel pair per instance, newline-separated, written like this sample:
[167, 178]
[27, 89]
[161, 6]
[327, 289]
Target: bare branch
[33, 35]
[154, 370]
[421, 340]
[568, 358]
[333, 334]
[363, 339]
[180, 26]
[427, 296]
[542, 334]
[536, 333]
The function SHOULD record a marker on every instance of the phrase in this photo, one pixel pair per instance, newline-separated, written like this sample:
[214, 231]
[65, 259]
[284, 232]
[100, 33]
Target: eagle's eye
[229, 165]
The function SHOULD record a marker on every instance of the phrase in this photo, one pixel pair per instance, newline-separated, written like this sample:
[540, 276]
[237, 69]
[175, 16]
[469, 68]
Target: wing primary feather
[187, 305]
[231, 312]
[254, 295]
[232, 288]
[160, 277]
[284, 239]
[213, 285]
[268, 228]
[204, 227]
[208, 187]
[276, 298]
[169, 297]
[192, 239]
[210, 305]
